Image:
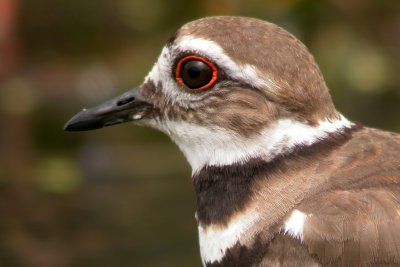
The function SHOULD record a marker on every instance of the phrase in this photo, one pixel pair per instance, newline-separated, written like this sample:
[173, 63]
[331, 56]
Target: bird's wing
[355, 228]
[357, 221]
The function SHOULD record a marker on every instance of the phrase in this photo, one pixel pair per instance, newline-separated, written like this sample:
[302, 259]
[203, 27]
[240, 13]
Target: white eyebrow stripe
[161, 72]
[242, 72]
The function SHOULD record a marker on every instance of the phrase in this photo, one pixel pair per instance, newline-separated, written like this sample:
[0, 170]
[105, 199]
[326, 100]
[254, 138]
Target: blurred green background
[122, 196]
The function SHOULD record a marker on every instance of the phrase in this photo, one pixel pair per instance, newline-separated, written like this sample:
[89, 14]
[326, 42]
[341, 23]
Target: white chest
[216, 240]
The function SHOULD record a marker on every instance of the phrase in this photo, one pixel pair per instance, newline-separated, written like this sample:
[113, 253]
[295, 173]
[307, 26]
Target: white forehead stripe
[215, 241]
[214, 145]
[242, 72]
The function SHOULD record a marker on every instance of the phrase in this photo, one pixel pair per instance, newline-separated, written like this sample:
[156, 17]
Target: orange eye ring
[180, 81]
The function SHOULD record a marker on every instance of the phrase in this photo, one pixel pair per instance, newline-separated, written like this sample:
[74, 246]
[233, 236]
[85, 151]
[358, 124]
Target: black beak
[127, 107]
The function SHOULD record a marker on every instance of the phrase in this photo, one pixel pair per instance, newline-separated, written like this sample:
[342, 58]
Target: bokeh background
[122, 196]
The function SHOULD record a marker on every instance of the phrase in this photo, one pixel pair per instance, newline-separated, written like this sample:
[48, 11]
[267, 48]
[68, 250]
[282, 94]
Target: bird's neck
[239, 200]
[223, 190]
[216, 146]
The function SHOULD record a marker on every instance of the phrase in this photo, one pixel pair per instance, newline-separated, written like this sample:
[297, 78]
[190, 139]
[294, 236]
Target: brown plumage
[281, 177]
[353, 196]
[356, 220]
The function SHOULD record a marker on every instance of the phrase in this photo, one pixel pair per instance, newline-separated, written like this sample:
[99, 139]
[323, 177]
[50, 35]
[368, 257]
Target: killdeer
[281, 177]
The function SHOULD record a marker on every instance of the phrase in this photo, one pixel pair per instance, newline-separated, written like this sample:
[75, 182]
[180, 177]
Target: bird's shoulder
[354, 227]
[370, 159]
[355, 221]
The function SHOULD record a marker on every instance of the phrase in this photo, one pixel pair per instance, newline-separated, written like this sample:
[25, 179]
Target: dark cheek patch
[152, 92]
[148, 89]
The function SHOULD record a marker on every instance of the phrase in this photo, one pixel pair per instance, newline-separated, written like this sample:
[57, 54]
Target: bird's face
[220, 87]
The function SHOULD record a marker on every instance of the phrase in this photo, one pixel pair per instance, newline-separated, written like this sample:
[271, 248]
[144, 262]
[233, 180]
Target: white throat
[217, 146]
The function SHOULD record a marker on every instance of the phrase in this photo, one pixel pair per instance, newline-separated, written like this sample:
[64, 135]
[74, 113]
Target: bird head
[227, 89]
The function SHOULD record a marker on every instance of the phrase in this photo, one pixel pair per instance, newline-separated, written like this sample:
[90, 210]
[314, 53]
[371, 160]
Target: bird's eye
[195, 73]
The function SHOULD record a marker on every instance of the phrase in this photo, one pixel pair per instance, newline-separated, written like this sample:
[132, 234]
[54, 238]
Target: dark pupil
[195, 74]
